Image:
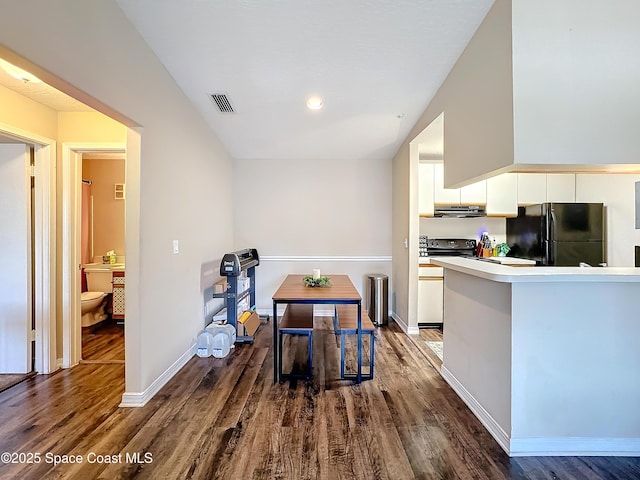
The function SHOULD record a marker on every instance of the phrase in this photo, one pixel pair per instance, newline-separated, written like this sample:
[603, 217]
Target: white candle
[316, 273]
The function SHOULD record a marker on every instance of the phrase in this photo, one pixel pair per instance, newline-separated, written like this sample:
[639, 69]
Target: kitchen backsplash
[464, 228]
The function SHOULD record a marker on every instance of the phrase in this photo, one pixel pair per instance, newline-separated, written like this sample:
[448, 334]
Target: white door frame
[71, 228]
[44, 301]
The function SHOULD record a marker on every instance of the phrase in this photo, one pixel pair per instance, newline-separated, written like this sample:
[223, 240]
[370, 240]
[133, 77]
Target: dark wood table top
[293, 289]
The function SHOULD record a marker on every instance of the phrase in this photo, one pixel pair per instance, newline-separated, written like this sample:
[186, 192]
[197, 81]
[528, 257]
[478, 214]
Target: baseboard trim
[326, 258]
[135, 399]
[543, 447]
[403, 325]
[478, 410]
[575, 446]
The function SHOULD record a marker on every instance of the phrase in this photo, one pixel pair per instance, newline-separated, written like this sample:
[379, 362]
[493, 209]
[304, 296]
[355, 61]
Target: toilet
[94, 301]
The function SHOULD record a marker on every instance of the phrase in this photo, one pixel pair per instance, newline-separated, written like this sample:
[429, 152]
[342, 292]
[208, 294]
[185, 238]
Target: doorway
[16, 232]
[72, 264]
[27, 232]
[103, 257]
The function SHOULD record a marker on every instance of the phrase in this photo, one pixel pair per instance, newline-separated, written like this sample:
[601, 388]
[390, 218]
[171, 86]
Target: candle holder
[323, 281]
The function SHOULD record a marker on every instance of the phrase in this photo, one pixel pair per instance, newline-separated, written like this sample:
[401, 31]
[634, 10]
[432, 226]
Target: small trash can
[378, 305]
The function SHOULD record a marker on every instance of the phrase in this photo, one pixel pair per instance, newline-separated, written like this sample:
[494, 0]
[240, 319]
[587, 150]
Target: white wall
[575, 77]
[15, 300]
[477, 333]
[542, 85]
[303, 214]
[90, 50]
[490, 126]
[306, 207]
[477, 101]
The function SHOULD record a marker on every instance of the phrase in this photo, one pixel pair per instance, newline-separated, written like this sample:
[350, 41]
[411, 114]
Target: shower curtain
[85, 234]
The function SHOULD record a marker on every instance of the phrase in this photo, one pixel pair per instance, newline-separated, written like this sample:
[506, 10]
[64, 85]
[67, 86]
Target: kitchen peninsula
[546, 357]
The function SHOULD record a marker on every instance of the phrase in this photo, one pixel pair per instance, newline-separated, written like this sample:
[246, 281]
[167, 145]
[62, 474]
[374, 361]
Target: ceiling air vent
[223, 103]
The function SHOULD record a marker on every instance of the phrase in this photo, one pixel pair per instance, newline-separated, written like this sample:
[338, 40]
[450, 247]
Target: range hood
[459, 211]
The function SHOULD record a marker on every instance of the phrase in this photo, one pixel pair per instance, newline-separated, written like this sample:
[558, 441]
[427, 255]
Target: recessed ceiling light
[314, 103]
[18, 73]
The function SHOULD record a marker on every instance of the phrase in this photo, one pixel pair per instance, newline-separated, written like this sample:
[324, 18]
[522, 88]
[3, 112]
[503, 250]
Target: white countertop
[509, 274]
[424, 260]
[102, 267]
[503, 260]
[511, 261]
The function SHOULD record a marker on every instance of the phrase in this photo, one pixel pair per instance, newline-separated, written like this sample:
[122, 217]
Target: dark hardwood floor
[8, 380]
[103, 343]
[225, 419]
[420, 341]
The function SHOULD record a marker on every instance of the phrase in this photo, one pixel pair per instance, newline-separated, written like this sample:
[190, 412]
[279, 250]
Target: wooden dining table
[293, 290]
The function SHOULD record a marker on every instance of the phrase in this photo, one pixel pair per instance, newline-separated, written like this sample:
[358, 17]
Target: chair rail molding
[325, 258]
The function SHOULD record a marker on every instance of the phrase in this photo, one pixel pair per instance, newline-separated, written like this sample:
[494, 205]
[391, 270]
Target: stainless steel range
[459, 247]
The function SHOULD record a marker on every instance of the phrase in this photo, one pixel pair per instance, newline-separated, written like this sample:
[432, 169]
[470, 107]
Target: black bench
[345, 322]
[297, 320]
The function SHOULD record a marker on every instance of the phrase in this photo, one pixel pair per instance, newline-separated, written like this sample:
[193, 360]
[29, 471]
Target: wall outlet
[176, 247]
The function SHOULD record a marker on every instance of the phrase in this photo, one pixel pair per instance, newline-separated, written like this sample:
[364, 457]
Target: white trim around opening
[44, 300]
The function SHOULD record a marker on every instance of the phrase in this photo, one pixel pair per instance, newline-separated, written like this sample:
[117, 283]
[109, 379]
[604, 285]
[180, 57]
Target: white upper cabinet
[425, 189]
[546, 187]
[474, 194]
[502, 195]
[561, 187]
[444, 196]
[499, 194]
[532, 188]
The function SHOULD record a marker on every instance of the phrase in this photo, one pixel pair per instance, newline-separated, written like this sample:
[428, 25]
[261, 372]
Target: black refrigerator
[558, 234]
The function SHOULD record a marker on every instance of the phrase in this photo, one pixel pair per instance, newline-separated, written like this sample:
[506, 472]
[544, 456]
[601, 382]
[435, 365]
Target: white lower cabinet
[430, 301]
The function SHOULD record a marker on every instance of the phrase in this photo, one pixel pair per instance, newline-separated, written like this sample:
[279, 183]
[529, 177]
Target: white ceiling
[43, 94]
[376, 63]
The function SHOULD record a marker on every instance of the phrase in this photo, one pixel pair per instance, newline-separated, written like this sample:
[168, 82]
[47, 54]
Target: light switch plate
[176, 247]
